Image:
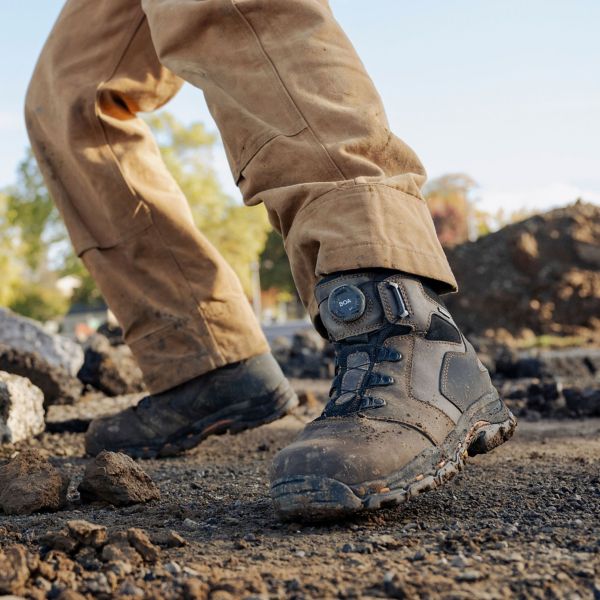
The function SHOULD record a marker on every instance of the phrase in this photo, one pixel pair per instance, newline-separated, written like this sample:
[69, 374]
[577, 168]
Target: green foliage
[275, 272]
[32, 213]
[11, 264]
[38, 301]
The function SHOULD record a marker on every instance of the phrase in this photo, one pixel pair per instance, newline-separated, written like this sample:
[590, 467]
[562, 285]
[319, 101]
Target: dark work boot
[232, 398]
[409, 401]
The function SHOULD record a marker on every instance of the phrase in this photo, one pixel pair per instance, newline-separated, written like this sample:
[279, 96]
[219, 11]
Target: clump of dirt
[29, 483]
[116, 478]
[540, 276]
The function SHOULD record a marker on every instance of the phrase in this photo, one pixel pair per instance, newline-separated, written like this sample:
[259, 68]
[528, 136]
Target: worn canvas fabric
[305, 133]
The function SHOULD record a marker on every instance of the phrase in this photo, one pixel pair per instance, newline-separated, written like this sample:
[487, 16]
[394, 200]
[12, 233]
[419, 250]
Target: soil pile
[540, 276]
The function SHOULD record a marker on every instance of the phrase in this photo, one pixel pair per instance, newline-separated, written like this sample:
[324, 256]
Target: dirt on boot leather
[232, 398]
[409, 402]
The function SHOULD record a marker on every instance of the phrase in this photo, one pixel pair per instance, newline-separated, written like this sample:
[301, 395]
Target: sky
[507, 91]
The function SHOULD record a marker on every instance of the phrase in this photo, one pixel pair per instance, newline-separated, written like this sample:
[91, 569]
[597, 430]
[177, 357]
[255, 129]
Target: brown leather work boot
[409, 401]
[232, 398]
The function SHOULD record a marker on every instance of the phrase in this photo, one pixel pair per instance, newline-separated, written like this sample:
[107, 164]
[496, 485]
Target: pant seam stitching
[291, 99]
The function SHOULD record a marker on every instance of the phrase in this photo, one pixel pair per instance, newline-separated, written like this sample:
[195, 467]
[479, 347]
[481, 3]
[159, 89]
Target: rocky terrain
[521, 522]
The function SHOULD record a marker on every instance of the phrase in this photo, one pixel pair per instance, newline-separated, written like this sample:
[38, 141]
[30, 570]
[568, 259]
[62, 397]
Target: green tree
[275, 272]
[33, 217]
[11, 261]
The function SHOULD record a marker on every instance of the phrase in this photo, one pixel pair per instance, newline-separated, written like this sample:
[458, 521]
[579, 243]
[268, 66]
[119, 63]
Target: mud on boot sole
[231, 419]
[319, 498]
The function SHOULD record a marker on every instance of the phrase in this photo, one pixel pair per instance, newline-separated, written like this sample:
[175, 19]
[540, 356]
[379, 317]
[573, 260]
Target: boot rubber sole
[481, 429]
[231, 419]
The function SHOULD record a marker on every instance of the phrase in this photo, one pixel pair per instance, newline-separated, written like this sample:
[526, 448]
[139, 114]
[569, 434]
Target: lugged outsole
[313, 497]
[284, 402]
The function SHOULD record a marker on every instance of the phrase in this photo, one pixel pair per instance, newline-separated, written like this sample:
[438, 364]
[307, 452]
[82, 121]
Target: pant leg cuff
[364, 226]
[169, 357]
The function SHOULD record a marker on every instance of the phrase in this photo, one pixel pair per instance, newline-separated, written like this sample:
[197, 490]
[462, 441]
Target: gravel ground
[521, 522]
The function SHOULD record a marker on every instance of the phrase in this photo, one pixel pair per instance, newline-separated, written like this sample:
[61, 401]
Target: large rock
[307, 354]
[21, 409]
[28, 335]
[116, 478]
[110, 369]
[57, 384]
[29, 483]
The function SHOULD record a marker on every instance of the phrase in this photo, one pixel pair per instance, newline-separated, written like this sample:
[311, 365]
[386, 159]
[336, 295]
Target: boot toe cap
[349, 450]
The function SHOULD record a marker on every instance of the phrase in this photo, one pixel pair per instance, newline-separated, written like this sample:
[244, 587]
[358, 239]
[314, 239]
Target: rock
[14, 571]
[584, 403]
[60, 540]
[27, 335]
[470, 575]
[87, 557]
[21, 409]
[121, 553]
[88, 534]
[169, 539]
[70, 595]
[195, 589]
[139, 540]
[395, 587]
[306, 355]
[57, 384]
[29, 483]
[110, 369]
[173, 568]
[112, 332]
[116, 478]
[190, 523]
[129, 589]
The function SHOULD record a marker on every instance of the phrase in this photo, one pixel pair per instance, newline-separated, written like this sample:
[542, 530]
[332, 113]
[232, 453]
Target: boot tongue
[357, 304]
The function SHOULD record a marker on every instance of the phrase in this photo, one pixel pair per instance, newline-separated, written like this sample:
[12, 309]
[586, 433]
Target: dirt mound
[540, 276]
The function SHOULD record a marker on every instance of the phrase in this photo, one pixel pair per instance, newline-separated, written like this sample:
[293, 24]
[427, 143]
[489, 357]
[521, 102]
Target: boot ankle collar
[358, 303]
[354, 304]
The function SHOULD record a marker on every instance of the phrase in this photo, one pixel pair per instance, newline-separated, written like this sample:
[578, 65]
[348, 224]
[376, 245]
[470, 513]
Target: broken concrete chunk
[29, 483]
[88, 534]
[21, 409]
[139, 540]
[28, 335]
[110, 369]
[116, 478]
[57, 384]
[14, 571]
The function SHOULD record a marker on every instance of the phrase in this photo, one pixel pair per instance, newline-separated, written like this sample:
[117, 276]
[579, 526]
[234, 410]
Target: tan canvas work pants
[305, 133]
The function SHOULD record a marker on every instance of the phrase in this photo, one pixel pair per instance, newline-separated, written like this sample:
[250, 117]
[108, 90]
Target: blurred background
[501, 101]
